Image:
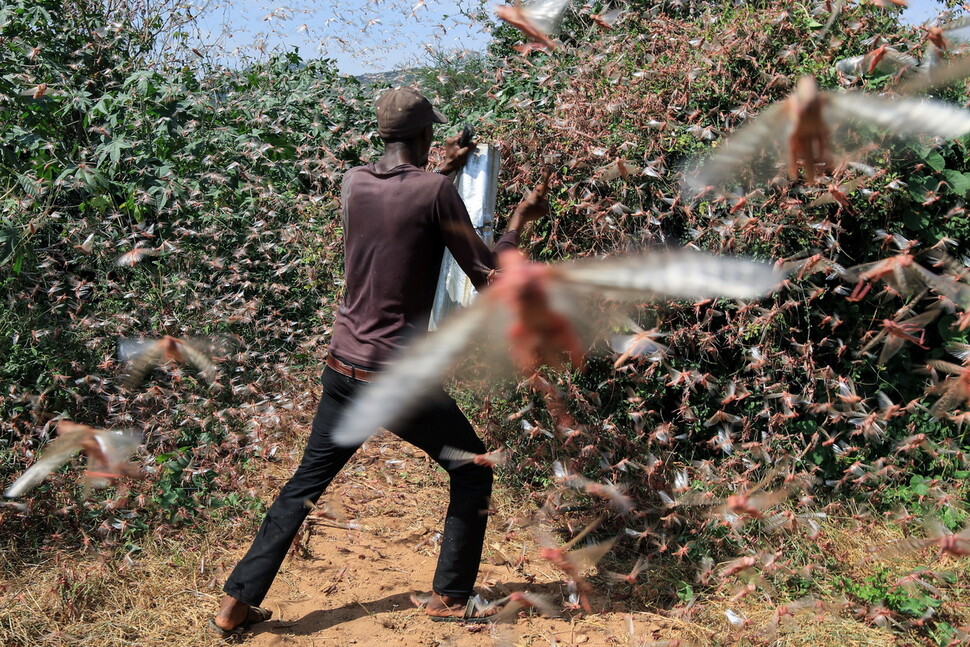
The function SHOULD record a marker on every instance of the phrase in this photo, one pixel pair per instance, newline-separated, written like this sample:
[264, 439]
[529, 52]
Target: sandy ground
[358, 587]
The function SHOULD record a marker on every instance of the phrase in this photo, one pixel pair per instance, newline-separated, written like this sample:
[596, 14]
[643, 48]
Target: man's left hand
[455, 156]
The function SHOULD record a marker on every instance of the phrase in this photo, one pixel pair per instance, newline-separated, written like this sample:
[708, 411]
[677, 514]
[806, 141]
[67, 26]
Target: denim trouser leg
[438, 423]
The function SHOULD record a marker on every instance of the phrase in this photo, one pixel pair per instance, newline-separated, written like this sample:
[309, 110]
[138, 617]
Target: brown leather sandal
[441, 608]
[254, 616]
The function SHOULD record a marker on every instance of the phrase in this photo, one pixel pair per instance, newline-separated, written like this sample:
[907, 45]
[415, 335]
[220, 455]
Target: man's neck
[396, 154]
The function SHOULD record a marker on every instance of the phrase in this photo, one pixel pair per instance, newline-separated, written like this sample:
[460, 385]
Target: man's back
[396, 226]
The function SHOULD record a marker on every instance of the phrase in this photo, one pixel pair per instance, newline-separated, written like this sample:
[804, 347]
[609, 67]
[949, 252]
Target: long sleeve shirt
[396, 227]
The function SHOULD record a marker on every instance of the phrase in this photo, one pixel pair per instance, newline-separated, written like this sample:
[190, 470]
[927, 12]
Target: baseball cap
[404, 112]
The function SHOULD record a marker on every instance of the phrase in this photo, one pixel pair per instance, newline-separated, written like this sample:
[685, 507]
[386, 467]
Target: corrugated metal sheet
[477, 185]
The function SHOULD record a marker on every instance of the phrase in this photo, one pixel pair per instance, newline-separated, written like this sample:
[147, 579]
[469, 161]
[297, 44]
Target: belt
[351, 371]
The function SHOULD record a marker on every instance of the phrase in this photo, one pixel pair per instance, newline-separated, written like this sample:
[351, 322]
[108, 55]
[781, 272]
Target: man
[397, 219]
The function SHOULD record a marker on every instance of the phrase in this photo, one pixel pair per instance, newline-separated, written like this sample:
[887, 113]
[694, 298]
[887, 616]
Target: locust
[811, 130]
[538, 20]
[106, 453]
[143, 355]
[544, 311]
[574, 562]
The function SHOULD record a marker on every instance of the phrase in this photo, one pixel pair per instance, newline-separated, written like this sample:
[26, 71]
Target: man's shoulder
[439, 179]
[350, 174]
[426, 182]
[408, 171]
[415, 174]
[366, 168]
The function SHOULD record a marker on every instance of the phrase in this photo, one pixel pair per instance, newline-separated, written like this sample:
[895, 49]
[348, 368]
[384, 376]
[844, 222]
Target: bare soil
[360, 587]
[363, 586]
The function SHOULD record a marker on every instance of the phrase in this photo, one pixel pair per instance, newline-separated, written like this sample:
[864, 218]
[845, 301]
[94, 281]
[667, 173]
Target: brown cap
[404, 112]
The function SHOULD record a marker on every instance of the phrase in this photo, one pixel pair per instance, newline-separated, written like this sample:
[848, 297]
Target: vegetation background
[117, 137]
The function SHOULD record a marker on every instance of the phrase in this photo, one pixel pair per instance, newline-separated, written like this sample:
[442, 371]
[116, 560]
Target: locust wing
[512, 604]
[856, 122]
[141, 356]
[899, 117]
[590, 555]
[418, 370]
[58, 452]
[753, 154]
[676, 274]
[935, 75]
[198, 360]
[954, 290]
[893, 344]
[111, 458]
[547, 15]
[608, 19]
[457, 457]
[107, 452]
[538, 20]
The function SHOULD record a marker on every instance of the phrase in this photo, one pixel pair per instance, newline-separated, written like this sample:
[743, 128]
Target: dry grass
[166, 592]
[808, 631]
[161, 597]
[856, 548]
[805, 629]
[851, 546]
[708, 625]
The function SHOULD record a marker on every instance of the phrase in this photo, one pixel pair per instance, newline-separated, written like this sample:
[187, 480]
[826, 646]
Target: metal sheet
[477, 185]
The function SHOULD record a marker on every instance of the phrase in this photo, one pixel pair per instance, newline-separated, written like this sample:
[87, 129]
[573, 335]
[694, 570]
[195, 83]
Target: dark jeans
[439, 422]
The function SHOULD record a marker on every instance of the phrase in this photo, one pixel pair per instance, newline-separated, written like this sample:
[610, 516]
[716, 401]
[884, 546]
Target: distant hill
[409, 76]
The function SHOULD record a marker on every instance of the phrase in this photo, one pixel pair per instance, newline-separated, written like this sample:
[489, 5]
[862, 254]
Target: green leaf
[918, 485]
[685, 592]
[28, 185]
[9, 237]
[142, 80]
[916, 220]
[959, 182]
[918, 188]
[935, 161]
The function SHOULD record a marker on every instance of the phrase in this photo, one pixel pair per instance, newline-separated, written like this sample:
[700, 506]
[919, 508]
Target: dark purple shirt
[396, 227]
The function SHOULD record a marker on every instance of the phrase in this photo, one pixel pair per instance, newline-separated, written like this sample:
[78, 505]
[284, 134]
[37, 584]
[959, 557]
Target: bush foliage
[230, 177]
[227, 179]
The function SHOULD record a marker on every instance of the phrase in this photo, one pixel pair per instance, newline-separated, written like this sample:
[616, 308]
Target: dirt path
[354, 587]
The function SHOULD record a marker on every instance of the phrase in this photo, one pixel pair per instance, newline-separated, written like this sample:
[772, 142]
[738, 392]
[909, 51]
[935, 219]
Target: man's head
[404, 113]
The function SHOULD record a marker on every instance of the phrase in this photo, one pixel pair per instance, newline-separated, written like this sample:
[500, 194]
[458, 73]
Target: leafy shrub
[229, 178]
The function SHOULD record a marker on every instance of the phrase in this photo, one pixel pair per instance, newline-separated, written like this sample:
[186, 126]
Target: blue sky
[360, 35]
[369, 35]
[920, 11]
